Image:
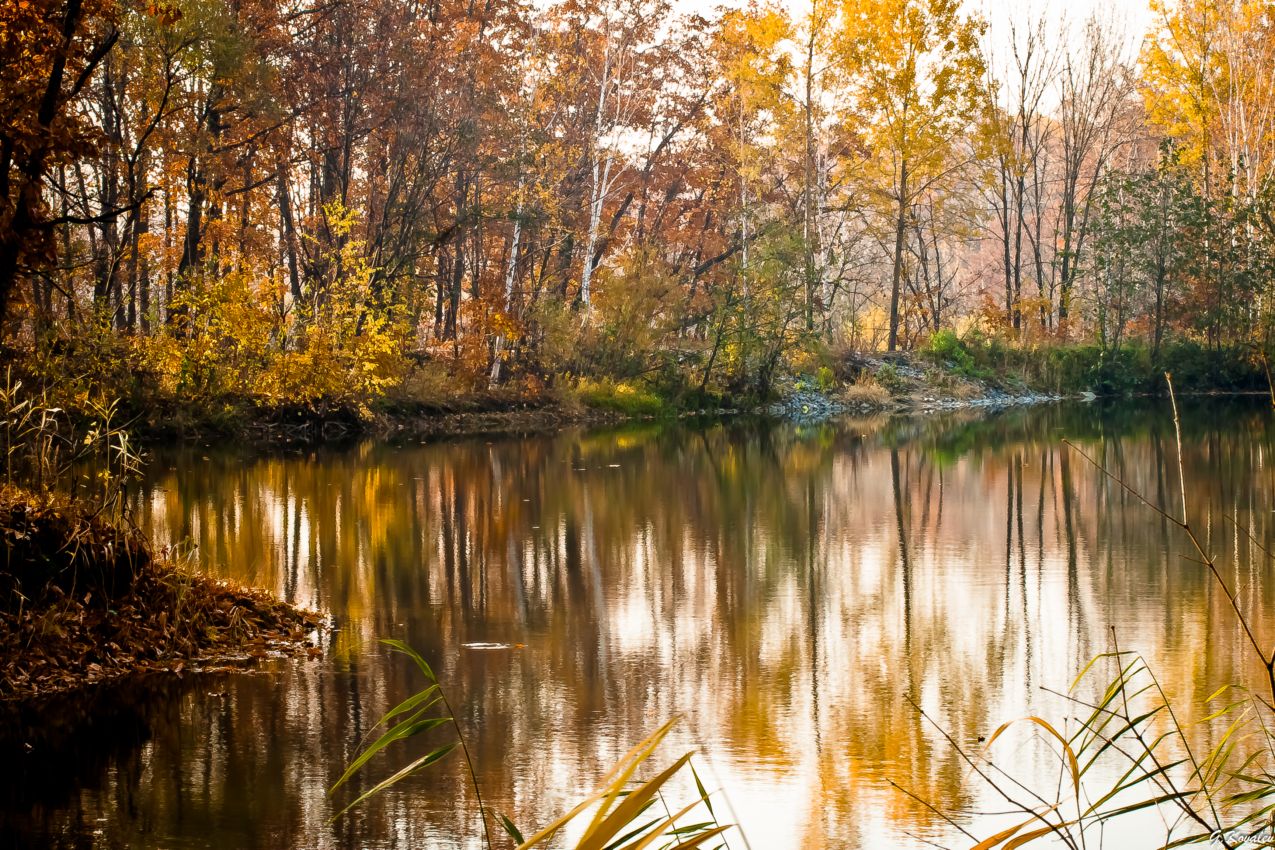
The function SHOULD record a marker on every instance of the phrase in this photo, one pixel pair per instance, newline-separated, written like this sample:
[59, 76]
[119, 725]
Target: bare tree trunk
[600, 183]
[510, 276]
[900, 226]
[289, 231]
[598, 197]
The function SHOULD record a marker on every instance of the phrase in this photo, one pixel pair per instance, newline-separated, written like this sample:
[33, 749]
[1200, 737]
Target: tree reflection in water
[782, 587]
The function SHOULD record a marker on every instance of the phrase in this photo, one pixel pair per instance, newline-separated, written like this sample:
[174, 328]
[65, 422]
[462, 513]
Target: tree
[1095, 121]
[49, 53]
[1208, 85]
[915, 67]
[1016, 136]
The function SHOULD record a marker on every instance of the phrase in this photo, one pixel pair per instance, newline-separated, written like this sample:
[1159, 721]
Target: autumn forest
[326, 204]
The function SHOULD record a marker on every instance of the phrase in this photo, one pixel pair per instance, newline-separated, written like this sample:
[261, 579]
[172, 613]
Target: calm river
[780, 587]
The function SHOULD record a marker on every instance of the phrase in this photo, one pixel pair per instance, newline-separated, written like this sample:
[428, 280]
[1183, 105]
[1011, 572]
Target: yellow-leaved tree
[915, 69]
[749, 56]
[349, 348]
[1208, 85]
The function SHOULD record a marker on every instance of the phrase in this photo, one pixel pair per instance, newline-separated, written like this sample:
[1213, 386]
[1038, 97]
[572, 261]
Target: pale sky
[1132, 16]
[1129, 19]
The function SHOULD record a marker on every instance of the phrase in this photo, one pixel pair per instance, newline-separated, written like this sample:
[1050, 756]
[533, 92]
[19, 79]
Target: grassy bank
[84, 598]
[215, 399]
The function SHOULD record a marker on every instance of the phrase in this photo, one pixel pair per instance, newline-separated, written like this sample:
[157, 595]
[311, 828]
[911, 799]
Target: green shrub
[947, 349]
[1089, 367]
[619, 396]
[1196, 367]
[1123, 371]
[888, 376]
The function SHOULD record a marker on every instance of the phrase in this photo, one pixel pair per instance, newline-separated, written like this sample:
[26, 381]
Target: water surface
[782, 588]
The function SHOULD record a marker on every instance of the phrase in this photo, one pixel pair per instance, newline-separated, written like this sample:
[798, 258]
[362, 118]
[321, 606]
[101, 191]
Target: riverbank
[916, 388]
[901, 383]
[948, 373]
[85, 599]
[893, 383]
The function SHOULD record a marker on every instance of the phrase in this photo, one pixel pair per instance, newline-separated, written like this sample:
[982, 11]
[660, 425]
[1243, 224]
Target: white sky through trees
[1132, 17]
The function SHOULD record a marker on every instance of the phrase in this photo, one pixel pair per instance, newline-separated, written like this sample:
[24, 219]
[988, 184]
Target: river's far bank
[952, 376]
[797, 401]
[85, 599]
[897, 383]
[950, 373]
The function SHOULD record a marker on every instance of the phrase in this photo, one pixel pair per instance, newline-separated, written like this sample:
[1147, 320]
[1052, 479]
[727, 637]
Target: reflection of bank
[55, 749]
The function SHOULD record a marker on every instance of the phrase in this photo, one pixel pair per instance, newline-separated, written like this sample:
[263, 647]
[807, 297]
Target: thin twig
[1058, 829]
[934, 809]
[1207, 559]
[1177, 434]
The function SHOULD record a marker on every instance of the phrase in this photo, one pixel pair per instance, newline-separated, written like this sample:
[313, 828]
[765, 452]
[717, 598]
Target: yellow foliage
[350, 352]
[1207, 84]
[235, 336]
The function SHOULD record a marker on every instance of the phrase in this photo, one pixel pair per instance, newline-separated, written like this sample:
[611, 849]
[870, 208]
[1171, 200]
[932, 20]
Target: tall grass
[623, 813]
[46, 450]
[61, 478]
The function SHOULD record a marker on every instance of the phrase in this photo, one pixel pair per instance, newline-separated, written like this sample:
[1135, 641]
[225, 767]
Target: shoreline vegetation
[572, 211]
[85, 597]
[950, 372]
[86, 600]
